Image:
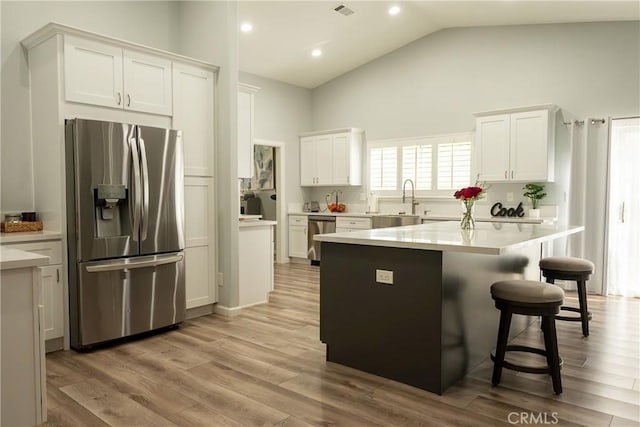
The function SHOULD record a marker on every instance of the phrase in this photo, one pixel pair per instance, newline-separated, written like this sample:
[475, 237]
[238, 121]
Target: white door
[492, 151]
[52, 301]
[623, 241]
[341, 159]
[92, 72]
[324, 160]
[193, 114]
[147, 83]
[529, 146]
[199, 234]
[307, 161]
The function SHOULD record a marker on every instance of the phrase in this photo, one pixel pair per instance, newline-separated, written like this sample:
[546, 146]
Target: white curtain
[623, 249]
[587, 192]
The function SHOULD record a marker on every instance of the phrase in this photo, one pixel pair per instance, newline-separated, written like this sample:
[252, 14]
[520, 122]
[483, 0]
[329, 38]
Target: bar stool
[529, 298]
[577, 269]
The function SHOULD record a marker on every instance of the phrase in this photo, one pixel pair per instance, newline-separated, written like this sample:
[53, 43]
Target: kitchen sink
[384, 221]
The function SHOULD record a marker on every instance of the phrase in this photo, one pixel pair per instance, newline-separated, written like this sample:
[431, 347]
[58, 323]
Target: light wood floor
[267, 367]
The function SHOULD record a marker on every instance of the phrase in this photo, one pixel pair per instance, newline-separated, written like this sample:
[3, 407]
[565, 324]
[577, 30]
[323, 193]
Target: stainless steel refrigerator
[125, 226]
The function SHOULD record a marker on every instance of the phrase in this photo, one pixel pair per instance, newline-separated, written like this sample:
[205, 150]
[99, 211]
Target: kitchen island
[413, 304]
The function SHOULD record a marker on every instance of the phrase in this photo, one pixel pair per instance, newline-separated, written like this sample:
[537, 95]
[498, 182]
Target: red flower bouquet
[468, 196]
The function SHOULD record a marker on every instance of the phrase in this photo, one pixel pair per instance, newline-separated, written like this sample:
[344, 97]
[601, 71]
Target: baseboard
[298, 261]
[54, 344]
[204, 310]
[234, 311]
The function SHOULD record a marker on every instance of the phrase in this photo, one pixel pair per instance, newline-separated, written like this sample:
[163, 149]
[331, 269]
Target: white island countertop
[485, 238]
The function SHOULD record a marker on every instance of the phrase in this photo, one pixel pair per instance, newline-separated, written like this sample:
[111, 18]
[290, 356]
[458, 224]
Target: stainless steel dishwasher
[318, 224]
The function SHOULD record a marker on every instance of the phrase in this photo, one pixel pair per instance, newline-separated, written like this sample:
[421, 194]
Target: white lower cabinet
[349, 224]
[256, 264]
[52, 301]
[52, 280]
[298, 236]
[199, 236]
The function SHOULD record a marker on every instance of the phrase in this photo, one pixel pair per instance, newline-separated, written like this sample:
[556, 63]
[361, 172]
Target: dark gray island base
[430, 327]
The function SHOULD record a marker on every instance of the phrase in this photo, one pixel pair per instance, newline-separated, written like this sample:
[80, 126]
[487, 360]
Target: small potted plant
[535, 193]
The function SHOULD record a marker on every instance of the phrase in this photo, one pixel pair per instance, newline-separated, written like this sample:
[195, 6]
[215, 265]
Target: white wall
[434, 84]
[146, 22]
[282, 112]
[209, 31]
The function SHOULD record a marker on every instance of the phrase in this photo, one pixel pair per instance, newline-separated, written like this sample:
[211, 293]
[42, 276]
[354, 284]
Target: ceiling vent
[344, 10]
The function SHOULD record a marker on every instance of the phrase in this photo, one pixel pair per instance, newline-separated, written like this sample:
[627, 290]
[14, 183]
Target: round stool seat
[568, 264]
[527, 291]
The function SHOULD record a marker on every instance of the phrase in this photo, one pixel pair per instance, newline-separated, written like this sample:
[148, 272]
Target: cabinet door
[147, 83]
[199, 235]
[529, 146]
[298, 241]
[52, 301]
[92, 72]
[307, 161]
[245, 134]
[492, 148]
[324, 160]
[341, 159]
[193, 114]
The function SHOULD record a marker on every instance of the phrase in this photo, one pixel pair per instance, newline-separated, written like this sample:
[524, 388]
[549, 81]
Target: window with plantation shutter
[383, 168]
[436, 164]
[416, 165]
[454, 165]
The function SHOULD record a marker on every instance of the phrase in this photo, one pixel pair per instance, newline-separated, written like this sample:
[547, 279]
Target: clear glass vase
[467, 222]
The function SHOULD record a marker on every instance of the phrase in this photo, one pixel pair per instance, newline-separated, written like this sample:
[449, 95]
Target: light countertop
[29, 236]
[256, 223]
[15, 258]
[486, 238]
[524, 220]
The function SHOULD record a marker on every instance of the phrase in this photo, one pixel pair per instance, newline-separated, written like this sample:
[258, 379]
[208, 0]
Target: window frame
[434, 141]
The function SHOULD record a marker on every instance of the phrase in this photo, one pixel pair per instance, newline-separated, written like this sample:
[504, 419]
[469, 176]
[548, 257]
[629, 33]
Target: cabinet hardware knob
[57, 276]
[505, 174]
[128, 100]
[119, 98]
[511, 174]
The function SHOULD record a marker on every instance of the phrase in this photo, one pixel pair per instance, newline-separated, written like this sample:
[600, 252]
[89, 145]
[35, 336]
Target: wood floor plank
[502, 411]
[111, 406]
[267, 366]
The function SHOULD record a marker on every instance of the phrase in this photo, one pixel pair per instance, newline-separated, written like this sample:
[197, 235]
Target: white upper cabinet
[92, 72]
[245, 129]
[102, 74]
[193, 113]
[147, 83]
[516, 145]
[331, 159]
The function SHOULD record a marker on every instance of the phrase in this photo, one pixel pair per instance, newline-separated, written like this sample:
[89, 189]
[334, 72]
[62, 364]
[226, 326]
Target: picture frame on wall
[263, 167]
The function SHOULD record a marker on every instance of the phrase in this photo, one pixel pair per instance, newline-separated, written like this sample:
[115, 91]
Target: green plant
[534, 193]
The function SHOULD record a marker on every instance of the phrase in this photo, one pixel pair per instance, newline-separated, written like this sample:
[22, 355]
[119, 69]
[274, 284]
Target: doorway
[623, 210]
[277, 195]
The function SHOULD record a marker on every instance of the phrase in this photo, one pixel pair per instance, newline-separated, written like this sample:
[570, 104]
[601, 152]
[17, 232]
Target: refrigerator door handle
[135, 186]
[145, 188]
[129, 265]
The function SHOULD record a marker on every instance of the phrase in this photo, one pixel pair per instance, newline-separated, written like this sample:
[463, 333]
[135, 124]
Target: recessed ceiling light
[316, 52]
[246, 27]
[394, 10]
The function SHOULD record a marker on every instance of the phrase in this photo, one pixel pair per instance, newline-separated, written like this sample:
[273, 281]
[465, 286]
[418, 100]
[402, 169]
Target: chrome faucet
[413, 195]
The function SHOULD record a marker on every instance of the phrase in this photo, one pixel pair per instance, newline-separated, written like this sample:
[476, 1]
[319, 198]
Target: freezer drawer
[127, 296]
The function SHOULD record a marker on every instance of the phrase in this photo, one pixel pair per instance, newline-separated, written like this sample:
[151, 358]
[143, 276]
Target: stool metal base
[580, 278]
[523, 368]
[548, 312]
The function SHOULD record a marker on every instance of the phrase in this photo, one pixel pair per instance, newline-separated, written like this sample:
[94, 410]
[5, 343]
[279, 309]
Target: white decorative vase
[534, 213]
